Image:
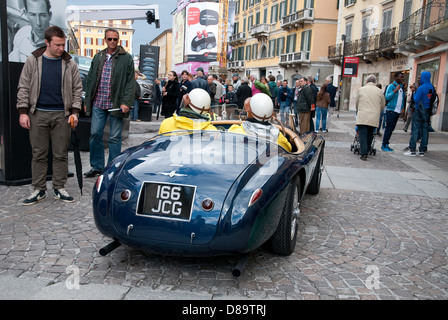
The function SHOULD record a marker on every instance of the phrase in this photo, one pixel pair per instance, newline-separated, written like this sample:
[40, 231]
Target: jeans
[382, 122]
[391, 122]
[419, 129]
[99, 119]
[365, 136]
[284, 111]
[134, 112]
[321, 113]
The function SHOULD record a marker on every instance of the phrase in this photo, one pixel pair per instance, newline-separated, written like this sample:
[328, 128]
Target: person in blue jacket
[422, 98]
[396, 99]
[284, 98]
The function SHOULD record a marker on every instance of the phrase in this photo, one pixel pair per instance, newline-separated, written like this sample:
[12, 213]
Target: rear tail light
[99, 181]
[255, 196]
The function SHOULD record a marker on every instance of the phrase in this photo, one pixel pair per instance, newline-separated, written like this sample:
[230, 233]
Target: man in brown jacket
[369, 104]
[48, 99]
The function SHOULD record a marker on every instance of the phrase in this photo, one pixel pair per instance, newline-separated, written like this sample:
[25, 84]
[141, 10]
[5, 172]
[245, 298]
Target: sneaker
[421, 154]
[406, 149]
[387, 149]
[63, 195]
[35, 197]
[409, 153]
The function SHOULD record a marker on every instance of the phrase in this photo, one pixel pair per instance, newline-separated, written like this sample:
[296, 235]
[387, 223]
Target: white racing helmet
[261, 107]
[198, 100]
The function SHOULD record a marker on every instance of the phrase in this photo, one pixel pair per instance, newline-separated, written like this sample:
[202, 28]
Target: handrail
[433, 13]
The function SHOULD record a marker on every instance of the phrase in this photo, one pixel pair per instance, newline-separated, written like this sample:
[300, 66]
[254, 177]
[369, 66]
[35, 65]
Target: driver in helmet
[193, 113]
[259, 110]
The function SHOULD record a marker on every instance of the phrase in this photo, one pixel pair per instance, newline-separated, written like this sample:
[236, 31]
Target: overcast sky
[144, 32]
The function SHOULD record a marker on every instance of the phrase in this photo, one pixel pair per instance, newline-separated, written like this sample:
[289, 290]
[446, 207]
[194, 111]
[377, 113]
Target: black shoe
[92, 173]
[364, 157]
[379, 134]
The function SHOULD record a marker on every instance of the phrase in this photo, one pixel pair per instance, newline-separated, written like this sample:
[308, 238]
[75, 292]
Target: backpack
[433, 102]
[273, 91]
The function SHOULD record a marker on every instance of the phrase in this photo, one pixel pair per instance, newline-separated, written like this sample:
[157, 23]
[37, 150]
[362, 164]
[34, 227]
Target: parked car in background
[146, 87]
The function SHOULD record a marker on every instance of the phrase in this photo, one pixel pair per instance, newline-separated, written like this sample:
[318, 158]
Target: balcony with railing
[369, 49]
[237, 39]
[235, 65]
[294, 58]
[260, 31]
[298, 19]
[425, 27]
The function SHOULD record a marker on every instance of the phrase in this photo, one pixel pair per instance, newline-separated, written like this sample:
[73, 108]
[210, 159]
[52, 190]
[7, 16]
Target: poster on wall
[149, 61]
[201, 31]
[27, 22]
[179, 37]
[350, 68]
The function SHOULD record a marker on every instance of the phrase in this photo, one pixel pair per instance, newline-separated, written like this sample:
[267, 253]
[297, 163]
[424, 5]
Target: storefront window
[432, 67]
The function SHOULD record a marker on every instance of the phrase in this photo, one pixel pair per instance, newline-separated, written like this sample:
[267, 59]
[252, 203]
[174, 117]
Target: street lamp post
[342, 72]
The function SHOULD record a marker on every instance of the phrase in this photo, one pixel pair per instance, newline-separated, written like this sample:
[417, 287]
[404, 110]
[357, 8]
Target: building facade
[165, 42]
[90, 35]
[287, 39]
[370, 29]
[423, 35]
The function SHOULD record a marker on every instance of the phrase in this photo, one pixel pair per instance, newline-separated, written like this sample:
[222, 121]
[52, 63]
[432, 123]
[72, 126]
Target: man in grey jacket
[48, 100]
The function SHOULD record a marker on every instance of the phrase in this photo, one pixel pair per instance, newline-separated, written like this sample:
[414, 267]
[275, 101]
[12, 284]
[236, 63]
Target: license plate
[166, 201]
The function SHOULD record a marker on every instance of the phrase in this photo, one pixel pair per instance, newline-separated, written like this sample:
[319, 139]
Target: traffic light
[150, 16]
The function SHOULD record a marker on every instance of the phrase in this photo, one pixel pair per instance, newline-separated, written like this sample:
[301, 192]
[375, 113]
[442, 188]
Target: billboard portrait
[27, 22]
[201, 31]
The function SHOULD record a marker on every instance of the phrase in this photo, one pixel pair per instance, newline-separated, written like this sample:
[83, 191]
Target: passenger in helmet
[193, 114]
[259, 110]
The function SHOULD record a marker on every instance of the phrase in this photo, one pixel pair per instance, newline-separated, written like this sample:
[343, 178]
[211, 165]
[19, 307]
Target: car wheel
[283, 241]
[198, 48]
[314, 186]
[210, 45]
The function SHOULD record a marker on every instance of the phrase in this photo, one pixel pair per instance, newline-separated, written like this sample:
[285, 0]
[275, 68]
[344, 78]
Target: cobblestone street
[377, 230]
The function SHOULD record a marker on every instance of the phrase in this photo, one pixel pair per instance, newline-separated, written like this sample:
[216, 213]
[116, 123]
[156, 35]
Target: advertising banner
[179, 37]
[149, 61]
[191, 67]
[201, 31]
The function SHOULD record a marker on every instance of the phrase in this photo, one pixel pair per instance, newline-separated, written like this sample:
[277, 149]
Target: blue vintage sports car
[206, 193]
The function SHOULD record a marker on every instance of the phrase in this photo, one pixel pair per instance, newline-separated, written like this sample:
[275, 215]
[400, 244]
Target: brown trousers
[304, 121]
[46, 126]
